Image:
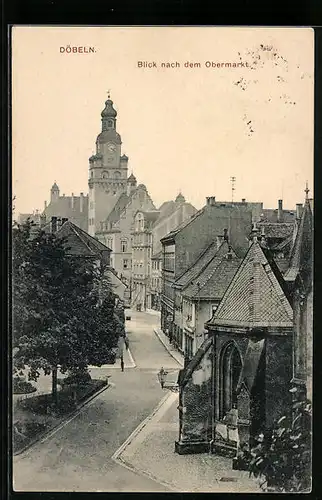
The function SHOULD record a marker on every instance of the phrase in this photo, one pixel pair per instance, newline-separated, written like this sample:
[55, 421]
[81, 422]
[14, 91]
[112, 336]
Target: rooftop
[254, 298]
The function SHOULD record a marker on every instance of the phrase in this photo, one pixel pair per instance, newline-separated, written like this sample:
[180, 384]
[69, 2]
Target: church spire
[306, 191]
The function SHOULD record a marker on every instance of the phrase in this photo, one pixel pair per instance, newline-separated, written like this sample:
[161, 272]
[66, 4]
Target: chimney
[81, 202]
[280, 211]
[229, 255]
[263, 238]
[72, 201]
[54, 224]
[42, 220]
[299, 209]
[225, 235]
[254, 234]
[243, 200]
[211, 200]
[64, 219]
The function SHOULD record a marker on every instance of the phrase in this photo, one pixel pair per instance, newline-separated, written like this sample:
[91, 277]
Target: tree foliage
[63, 307]
[281, 457]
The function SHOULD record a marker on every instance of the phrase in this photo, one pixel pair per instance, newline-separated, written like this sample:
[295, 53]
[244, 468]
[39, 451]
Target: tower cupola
[180, 198]
[54, 192]
[108, 115]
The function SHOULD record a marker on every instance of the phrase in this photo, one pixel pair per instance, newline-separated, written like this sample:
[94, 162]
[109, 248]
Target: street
[77, 456]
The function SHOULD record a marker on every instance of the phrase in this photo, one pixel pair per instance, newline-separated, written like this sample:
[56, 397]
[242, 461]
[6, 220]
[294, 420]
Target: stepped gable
[215, 278]
[79, 242]
[254, 298]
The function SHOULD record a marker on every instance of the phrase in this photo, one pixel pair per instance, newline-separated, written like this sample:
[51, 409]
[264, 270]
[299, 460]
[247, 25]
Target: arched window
[110, 123]
[230, 368]
[105, 175]
[117, 175]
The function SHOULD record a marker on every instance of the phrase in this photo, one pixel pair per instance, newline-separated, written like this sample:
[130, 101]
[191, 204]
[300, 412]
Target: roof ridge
[203, 252]
[216, 257]
[81, 236]
[221, 261]
[256, 255]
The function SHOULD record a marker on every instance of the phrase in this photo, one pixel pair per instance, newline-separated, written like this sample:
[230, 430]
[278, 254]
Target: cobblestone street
[78, 455]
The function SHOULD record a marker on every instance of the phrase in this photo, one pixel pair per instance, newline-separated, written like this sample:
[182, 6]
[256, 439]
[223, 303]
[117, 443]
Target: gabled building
[80, 244]
[186, 244]
[74, 208]
[117, 230]
[201, 295]
[240, 373]
[149, 227]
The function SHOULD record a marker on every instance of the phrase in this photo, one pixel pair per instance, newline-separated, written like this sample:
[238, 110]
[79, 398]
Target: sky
[187, 129]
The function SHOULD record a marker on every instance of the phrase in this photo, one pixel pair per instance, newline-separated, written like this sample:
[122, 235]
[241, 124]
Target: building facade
[74, 208]
[149, 228]
[184, 246]
[241, 372]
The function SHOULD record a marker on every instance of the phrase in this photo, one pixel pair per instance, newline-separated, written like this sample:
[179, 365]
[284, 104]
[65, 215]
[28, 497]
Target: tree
[281, 456]
[60, 317]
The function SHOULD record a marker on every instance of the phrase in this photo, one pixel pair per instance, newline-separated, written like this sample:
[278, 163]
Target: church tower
[107, 171]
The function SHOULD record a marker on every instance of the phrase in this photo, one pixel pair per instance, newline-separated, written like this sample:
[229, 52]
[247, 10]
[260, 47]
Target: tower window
[123, 245]
[125, 263]
[110, 123]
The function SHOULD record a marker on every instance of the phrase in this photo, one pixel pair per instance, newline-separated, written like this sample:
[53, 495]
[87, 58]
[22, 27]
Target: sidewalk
[169, 347]
[151, 452]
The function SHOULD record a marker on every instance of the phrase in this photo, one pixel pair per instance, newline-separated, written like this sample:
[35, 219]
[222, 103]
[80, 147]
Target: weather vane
[109, 94]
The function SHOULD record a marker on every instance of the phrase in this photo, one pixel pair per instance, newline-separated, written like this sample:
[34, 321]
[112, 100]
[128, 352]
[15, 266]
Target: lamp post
[162, 376]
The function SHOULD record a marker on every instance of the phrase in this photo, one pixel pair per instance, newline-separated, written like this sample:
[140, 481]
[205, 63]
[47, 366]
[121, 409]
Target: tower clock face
[111, 147]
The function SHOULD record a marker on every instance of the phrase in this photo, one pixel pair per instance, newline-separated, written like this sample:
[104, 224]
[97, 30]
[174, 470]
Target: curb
[140, 427]
[142, 472]
[68, 418]
[172, 354]
[117, 456]
[131, 359]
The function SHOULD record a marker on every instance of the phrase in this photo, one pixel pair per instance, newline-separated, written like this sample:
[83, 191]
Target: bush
[20, 386]
[66, 403]
[78, 378]
[281, 456]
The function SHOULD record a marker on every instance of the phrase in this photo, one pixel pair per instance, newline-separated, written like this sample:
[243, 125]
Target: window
[91, 174]
[110, 123]
[91, 205]
[124, 246]
[230, 368]
[110, 243]
[125, 263]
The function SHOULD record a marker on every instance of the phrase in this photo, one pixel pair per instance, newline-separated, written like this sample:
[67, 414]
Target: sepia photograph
[162, 258]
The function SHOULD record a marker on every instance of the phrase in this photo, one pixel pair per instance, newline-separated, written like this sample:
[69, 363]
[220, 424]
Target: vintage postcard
[162, 258]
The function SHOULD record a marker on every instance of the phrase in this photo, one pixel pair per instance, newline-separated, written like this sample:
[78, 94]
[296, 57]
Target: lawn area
[36, 415]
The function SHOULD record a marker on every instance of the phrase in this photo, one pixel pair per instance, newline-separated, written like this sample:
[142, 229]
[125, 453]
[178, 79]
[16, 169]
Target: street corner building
[257, 345]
